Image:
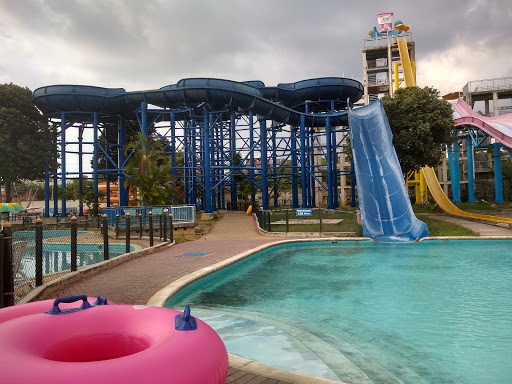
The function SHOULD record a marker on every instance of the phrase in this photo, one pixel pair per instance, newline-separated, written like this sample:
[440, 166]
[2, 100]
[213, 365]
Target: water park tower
[382, 72]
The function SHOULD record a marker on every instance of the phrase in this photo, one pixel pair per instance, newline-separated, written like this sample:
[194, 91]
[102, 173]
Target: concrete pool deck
[137, 280]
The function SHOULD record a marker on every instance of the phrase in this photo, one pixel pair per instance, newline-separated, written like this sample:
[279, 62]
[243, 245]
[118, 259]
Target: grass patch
[443, 228]
[202, 228]
[426, 209]
[347, 224]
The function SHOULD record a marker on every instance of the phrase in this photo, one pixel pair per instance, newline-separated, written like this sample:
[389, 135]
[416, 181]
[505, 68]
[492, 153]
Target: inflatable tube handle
[185, 322]
[55, 310]
[102, 300]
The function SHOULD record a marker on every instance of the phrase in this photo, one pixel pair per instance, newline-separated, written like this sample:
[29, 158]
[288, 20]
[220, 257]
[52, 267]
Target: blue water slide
[386, 210]
[272, 103]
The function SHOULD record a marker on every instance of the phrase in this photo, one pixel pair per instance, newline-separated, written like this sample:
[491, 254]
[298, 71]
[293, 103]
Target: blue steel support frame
[449, 151]
[471, 172]
[213, 170]
[232, 150]
[295, 186]
[80, 168]
[121, 160]
[251, 155]
[353, 184]
[498, 182]
[63, 159]
[95, 158]
[303, 168]
[274, 165]
[173, 143]
[334, 162]
[328, 137]
[207, 193]
[456, 173]
[206, 150]
[47, 188]
[263, 150]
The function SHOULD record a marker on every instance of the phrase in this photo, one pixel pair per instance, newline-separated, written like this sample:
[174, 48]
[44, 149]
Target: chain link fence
[34, 255]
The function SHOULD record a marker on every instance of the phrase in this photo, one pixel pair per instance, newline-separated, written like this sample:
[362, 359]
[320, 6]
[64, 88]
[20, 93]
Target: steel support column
[207, 192]
[274, 166]
[232, 150]
[251, 154]
[295, 184]
[47, 188]
[498, 182]
[263, 150]
[471, 172]
[303, 169]
[328, 150]
[63, 159]
[121, 159]
[95, 156]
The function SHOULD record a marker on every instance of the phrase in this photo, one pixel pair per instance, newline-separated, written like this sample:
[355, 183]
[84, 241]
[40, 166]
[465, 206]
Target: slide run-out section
[447, 206]
[386, 210]
[498, 127]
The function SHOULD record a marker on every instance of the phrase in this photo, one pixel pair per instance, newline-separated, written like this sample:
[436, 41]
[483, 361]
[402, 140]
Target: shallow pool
[57, 257]
[429, 312]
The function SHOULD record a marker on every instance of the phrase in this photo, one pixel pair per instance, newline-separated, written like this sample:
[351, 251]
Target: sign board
[304, 212]
[385, 21]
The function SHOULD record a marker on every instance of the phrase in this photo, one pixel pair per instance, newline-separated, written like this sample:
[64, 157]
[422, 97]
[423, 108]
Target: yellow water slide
[447, 206]
[406, 63]
[430, 176]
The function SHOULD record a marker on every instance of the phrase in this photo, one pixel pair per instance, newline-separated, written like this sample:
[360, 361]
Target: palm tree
[149, 170]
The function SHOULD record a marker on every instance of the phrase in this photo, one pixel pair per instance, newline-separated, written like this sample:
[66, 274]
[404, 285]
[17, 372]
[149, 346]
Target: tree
[149, 170]
[421, 123]
[25, 137]
[87, 197]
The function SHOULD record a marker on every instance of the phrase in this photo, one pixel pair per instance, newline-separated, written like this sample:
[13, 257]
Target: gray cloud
[148, 44]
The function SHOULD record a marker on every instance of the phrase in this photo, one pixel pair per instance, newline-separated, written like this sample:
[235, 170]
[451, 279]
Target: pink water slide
[499, 127]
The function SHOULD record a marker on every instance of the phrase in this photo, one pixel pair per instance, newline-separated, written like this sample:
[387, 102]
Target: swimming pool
[435, 311]
[57, 257]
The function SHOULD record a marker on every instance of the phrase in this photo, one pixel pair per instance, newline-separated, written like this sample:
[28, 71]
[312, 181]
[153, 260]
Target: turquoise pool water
[428, 312]
[57, 257]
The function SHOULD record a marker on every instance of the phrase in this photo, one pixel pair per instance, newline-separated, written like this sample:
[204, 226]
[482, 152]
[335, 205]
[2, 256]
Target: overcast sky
[147, 44]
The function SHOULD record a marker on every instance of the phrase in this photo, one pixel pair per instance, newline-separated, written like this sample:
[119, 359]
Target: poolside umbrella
[9, 207]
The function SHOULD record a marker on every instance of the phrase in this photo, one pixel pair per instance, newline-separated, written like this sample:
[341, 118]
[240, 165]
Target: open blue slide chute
[386, 210]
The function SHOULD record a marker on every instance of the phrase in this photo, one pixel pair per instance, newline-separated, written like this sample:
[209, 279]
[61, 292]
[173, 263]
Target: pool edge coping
[271, 372]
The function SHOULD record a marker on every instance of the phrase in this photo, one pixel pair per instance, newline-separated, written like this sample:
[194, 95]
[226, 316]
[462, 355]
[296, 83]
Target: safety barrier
[33, 255]
[329, 222]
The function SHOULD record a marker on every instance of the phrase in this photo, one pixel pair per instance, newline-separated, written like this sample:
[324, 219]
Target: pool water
[57, 257]
[429, 312]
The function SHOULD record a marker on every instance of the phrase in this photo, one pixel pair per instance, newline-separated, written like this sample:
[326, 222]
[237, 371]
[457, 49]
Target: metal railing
[180, 213]
[40, 253]
[329, 222]
[488, 85]
[378, 41]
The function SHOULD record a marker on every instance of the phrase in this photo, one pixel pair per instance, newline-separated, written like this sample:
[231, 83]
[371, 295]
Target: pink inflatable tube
[111, 344]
